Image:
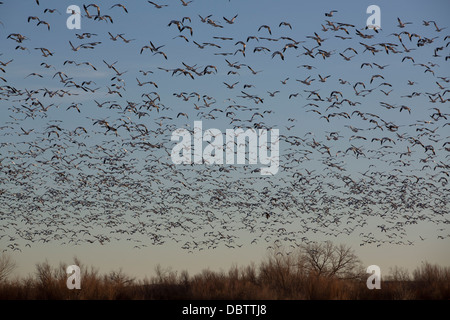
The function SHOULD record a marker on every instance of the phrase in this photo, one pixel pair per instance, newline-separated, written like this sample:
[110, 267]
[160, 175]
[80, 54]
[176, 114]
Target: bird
[51, 10]
[409, 58]
[158, 6]
[119, 5]
[26, 132]
[346, 58]
[85, 146]
[266, 27]
[437, 28]
[278, 53]
[75, 48]
[231, 86]
[287, 24]
[185, 3]
[379, 66]
[140, 84]
[317, 38]
[232, 20]
[34, 74]
[284, 81]
[402, 24]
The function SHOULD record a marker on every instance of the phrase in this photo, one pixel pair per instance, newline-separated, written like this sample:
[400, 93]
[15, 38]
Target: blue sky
[145, 23]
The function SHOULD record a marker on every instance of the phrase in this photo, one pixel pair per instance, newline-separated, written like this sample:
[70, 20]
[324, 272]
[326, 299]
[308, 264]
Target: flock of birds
[88, 163]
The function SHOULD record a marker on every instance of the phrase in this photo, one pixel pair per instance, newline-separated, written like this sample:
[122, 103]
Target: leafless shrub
[315, 271]
[7, 266]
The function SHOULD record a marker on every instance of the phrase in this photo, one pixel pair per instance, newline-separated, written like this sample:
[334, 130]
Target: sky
[144, 23]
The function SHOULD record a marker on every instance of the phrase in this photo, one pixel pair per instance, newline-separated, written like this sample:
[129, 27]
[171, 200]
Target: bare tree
[120, 278]
[7, 266]
[398, 274]
[327, 259]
